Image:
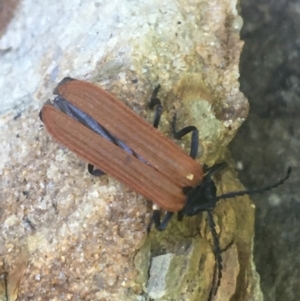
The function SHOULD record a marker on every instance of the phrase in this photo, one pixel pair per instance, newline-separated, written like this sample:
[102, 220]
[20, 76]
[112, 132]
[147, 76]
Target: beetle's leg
[218, 258]
[155, 219]
[180, 216]
[154, 101]
[195, 136]
[159, 225]
[209, 171]
[95, 172]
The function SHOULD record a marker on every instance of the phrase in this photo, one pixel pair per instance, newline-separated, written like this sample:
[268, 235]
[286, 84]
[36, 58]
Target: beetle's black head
[201, 197]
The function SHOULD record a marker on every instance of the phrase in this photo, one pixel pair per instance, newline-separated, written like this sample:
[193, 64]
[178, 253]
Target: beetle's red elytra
[166, 169]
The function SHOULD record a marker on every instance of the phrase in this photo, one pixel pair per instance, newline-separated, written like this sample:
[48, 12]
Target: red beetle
[110, 136]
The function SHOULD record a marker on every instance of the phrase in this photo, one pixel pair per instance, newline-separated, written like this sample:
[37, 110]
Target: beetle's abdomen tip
[40, 115]
[48, 102]
[65, 80]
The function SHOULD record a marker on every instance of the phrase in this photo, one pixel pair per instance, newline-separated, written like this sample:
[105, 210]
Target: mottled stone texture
[84, 238]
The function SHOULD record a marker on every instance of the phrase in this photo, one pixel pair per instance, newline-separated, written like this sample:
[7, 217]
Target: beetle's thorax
[201, 197]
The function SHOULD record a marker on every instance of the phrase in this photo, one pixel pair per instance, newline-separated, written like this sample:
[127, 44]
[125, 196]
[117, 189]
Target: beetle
[109, 135]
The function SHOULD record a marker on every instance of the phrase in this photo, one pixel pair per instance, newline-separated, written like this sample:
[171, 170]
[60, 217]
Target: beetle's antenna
[249, 191]
[218, 258]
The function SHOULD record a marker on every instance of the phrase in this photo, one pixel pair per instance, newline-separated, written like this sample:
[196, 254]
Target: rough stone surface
[81, 238]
